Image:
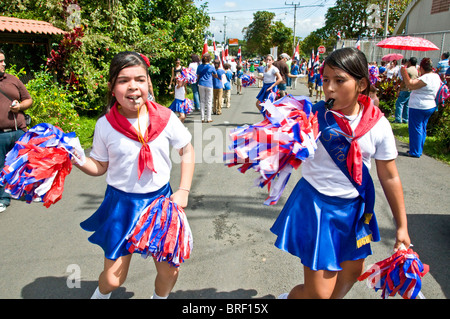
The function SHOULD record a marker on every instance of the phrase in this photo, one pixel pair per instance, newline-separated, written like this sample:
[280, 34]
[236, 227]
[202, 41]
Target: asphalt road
[45, 254]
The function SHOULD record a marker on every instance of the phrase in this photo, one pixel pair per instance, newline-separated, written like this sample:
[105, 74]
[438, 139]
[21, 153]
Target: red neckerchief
[158, 115]
[370, 116]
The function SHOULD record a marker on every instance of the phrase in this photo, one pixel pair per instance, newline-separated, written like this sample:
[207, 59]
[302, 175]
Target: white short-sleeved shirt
[326, 177]
[122, 153]
[180, 93]
[423, 98]
[270, 74]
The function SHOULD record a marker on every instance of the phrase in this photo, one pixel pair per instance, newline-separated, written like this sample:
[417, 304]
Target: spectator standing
[227, 86]
[260, 71]
[218, 88]
[421, 104]
[195, 62]
[443, 65]
[205, 74]
[392, 70]
[282, 66]
[311, 80]
[175, 71]
[14, 99]
[401, 105]
[239, 74]
[295, 70]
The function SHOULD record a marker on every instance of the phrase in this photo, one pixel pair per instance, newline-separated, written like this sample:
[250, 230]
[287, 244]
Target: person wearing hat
[284, 72]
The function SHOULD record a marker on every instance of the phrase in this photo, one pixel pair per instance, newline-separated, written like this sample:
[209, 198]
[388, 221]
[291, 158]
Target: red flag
[316, 60]
[358, 43]
[297, 51]
[205, 46]
[225, 54]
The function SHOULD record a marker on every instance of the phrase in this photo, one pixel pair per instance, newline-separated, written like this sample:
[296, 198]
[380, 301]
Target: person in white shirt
[195, 61]
[132, 147]
[421, 104]
[326, 222]
[271, 78]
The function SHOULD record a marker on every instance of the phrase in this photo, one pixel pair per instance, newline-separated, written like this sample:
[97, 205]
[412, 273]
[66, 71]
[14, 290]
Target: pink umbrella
[408, 43]
[392, 57]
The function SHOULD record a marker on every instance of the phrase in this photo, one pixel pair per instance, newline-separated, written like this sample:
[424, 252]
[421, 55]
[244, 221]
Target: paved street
[45, 254]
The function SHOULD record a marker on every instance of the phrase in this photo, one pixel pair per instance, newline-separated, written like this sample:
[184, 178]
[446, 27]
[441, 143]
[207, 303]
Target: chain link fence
[373, 53]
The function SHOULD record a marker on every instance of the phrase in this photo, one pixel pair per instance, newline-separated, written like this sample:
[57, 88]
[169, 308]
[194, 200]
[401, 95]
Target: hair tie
[147, 61]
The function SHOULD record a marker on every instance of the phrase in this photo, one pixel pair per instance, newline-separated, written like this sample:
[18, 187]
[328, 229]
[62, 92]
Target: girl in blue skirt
[328, 220]
[271, 78]
[131, 145]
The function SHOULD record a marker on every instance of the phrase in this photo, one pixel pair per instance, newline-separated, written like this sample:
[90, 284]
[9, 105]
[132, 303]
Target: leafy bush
[51, 103]
[387, 94]
[439, 125]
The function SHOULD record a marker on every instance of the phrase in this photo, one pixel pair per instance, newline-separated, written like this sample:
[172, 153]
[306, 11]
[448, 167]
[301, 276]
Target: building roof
[8, 24]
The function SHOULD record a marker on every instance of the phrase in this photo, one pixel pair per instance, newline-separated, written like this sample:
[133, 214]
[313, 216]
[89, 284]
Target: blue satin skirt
[264, 94]
[116, 216]
[176, 106]
[320, 229]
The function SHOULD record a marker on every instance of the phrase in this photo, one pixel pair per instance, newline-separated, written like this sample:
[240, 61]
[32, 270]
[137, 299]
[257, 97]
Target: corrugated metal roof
[27, 26]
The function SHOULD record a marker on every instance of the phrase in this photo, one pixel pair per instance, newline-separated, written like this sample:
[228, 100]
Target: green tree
[162, 30]
[263, 34]
[257, 34]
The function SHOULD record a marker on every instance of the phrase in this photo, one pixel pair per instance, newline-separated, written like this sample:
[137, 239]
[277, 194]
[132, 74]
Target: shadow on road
[431, 237]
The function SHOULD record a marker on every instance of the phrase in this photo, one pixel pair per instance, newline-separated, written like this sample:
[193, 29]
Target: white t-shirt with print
[326, 177]
[122, 153]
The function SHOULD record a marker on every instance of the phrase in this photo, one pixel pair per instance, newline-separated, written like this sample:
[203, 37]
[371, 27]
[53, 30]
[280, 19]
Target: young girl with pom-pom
[131, 145]
[328, 220]
[180, 96]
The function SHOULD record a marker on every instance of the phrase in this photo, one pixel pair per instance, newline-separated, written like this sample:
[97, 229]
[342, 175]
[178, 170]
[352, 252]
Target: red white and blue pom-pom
[162, 231]
[277, 145]
[247, 80]
[187, 106]
[38, 164]
[401, 273]
[187, 75]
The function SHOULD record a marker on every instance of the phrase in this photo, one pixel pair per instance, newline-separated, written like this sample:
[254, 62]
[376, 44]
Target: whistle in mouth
[329, 104]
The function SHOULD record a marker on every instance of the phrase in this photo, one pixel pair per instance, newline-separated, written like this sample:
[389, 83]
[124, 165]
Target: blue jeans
[7, 142]
[417, 128]
[194, 88]
[401, 107]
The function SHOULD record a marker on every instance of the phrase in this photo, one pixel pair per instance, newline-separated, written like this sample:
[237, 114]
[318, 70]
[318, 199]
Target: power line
[283, 8]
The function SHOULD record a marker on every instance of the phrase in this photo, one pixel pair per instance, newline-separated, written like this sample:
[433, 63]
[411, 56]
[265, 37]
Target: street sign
[321, 49]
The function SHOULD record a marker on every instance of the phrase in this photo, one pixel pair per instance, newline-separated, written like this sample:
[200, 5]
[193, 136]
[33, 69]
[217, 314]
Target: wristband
[183, 189]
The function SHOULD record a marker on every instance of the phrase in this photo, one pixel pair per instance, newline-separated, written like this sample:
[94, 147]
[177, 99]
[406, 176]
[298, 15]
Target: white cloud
[230, 4]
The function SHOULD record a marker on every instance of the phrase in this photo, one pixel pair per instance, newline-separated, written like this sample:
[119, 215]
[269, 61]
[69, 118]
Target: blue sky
[239, 14]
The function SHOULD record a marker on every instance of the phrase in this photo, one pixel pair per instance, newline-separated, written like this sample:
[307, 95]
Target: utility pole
[386, 22]
[295, 18]
[225, 30]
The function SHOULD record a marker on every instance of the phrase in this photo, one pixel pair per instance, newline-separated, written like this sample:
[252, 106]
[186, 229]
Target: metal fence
[373, 53]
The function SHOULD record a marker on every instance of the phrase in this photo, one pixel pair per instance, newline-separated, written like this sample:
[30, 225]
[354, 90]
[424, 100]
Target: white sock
[155, 296]
[98, 295]
[283, 296]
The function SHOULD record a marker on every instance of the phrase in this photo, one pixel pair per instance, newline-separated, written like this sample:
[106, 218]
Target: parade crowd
[336, 190]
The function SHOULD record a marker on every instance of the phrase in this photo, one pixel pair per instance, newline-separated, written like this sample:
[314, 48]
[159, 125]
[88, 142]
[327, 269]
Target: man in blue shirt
[442, 65]
[218, 89]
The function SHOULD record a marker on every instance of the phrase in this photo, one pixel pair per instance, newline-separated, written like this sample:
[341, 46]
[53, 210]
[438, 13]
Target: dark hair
[413, 61]
[2, 52]
[206, 58]
[446, 55]
[426, 65]
[353, 62]
[119, 62]
[195, 58]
